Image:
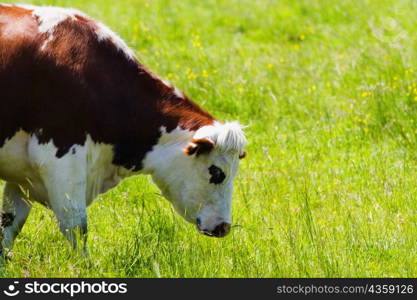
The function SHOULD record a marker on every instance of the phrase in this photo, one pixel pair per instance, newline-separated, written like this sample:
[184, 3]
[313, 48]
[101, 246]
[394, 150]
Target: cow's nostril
[221, 229]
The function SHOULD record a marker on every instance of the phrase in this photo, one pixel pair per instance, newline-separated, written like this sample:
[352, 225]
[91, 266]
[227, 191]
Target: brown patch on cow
[199, 146]
[243, 155]
[78, 86]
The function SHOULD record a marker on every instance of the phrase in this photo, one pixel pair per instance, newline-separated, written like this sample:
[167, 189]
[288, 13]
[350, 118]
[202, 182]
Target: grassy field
[328, 90]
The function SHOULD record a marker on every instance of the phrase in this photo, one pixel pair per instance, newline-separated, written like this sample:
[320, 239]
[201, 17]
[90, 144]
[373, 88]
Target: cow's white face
[197, 178]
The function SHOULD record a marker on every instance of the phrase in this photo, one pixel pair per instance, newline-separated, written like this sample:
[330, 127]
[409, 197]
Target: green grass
[329, 188]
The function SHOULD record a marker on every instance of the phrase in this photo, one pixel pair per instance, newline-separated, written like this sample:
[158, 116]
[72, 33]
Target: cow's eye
[217, 175]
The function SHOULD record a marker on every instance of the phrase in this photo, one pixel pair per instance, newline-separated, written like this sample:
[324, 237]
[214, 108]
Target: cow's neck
[163, 116]
[176, 109]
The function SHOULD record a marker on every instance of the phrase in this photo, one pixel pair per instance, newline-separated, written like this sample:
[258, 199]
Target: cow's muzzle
[220, 230]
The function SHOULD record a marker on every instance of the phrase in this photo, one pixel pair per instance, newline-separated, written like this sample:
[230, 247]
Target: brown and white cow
[78, 113]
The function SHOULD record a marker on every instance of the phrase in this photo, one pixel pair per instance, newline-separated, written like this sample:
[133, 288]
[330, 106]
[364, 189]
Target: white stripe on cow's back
[50, 16]
[105, 33]
[178, 93]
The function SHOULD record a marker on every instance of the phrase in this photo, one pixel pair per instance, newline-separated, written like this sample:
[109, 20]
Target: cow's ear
[243, 155]
[198, 146]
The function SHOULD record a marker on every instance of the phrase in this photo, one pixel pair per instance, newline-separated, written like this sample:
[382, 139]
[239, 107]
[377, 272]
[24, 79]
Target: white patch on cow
[169, 144]
[93, 160]
[185, 180]
[178, 136]
[49, 17]
[166, 83]
[102, 174]
[178, 93]
[105, 33]
[14, 164]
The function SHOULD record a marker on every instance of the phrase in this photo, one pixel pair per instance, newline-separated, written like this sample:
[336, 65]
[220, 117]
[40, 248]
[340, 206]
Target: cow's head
[195, 173]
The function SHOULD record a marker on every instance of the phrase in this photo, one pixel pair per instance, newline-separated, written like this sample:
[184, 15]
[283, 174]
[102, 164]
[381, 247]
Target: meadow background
[328, 90]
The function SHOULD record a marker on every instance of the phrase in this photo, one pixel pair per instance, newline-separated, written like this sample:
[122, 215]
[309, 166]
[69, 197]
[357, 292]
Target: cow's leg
[67, 193]
[72, 219]
[16, 208]
[64, 178]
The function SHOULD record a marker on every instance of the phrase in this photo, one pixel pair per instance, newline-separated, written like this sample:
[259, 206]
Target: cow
[79, 113]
